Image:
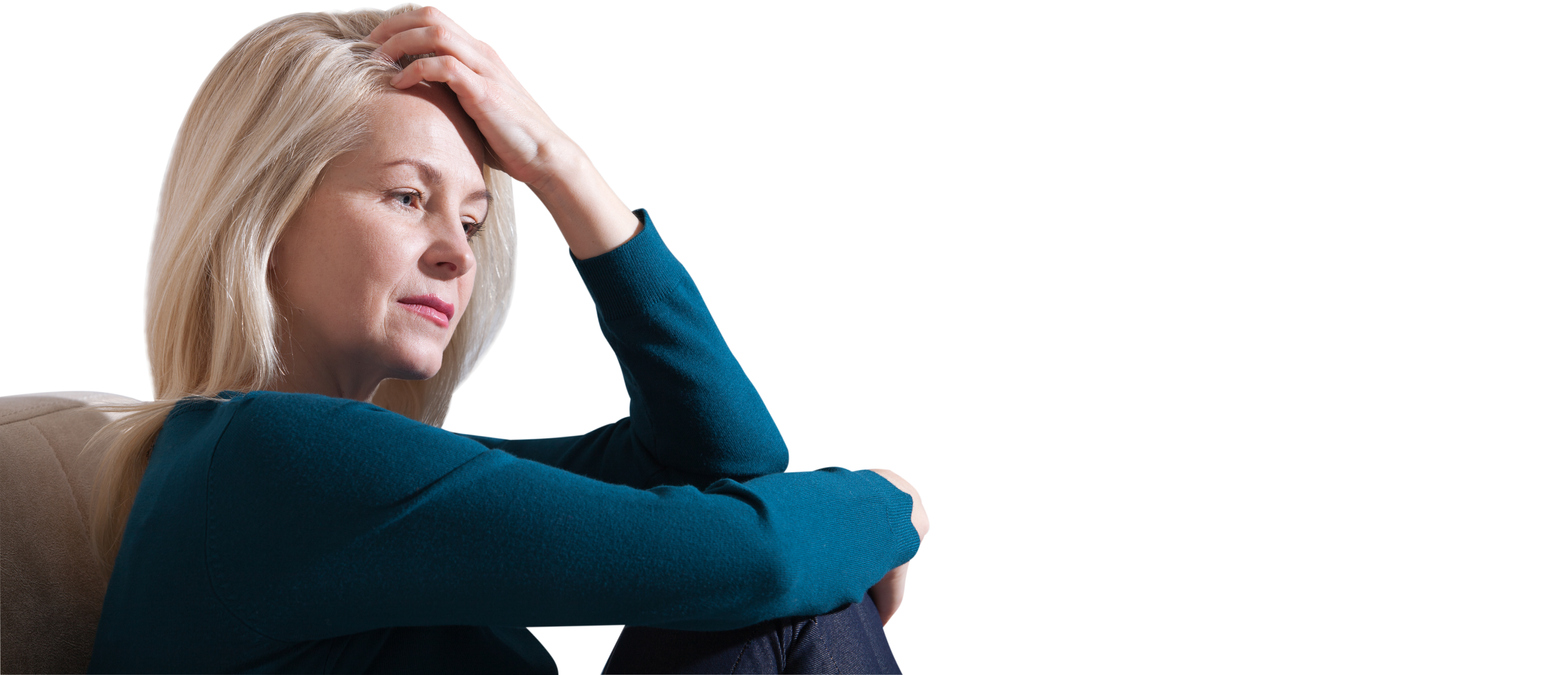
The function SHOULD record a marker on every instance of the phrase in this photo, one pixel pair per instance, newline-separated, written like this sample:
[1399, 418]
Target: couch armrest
[52, 585]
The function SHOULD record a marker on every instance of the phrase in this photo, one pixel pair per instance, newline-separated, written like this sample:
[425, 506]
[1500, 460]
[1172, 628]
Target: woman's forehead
[424, 125]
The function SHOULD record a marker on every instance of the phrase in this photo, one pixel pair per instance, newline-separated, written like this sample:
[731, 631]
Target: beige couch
[51, 589]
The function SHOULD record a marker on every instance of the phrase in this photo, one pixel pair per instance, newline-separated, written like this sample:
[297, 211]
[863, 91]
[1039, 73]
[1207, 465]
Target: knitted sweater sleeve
[329, 517]
[695, 417]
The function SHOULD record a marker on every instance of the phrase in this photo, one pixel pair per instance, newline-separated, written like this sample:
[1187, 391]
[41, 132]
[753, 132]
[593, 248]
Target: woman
[335, 233]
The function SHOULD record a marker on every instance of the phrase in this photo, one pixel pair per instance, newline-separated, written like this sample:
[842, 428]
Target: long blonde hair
[288, 98]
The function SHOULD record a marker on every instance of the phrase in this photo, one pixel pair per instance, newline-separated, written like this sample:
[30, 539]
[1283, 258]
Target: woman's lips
[431, 307]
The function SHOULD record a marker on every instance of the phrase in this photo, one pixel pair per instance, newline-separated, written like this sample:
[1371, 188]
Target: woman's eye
[472, 230]
[407, 198]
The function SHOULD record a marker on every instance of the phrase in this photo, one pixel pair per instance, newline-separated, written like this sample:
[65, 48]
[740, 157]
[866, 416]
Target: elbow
[765, 456]
[774, 460]
[743, 461]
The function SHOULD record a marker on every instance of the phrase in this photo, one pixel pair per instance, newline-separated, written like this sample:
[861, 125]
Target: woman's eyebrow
[430, 174]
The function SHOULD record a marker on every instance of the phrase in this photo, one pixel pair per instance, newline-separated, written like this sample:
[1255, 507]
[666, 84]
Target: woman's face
[375, 271]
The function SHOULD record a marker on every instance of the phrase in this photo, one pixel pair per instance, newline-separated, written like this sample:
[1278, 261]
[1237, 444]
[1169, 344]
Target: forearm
[358, 534]
[591, 217]
[693, 410]
[692, 405]
[695, 416]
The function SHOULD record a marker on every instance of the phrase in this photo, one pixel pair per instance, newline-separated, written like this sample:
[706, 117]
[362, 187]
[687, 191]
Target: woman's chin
[417, 369]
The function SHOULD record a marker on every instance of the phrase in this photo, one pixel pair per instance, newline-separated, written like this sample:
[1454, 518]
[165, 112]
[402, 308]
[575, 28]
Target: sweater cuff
[897, 509]
[635, 276]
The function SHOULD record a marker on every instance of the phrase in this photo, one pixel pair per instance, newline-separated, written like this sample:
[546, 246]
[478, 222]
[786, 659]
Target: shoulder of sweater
[318, 443]
[285, 410]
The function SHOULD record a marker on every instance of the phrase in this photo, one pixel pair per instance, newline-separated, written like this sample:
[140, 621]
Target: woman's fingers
[919, 518]
[516, 130]
[420, 18]
[467, 84]
[439, 40]
[889, 593]
[513, 126]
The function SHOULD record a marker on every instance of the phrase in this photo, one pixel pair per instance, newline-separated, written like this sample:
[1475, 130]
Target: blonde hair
[287, 99]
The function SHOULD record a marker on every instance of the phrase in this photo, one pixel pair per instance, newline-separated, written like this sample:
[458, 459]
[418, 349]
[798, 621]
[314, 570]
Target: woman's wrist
[592, 218]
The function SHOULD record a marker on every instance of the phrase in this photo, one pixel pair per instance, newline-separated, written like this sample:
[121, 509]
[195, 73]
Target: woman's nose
[449, 256]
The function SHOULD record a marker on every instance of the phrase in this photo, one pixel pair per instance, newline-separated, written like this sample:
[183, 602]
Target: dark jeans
[848, 640]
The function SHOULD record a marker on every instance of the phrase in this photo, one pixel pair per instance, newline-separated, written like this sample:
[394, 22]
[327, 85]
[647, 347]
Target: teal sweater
[295, 532]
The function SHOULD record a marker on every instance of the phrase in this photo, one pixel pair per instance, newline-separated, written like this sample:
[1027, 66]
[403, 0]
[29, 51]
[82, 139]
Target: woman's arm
[695, 416]
[328, 517]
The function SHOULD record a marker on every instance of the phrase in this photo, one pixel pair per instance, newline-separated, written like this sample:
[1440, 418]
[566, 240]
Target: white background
[1216, 335]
